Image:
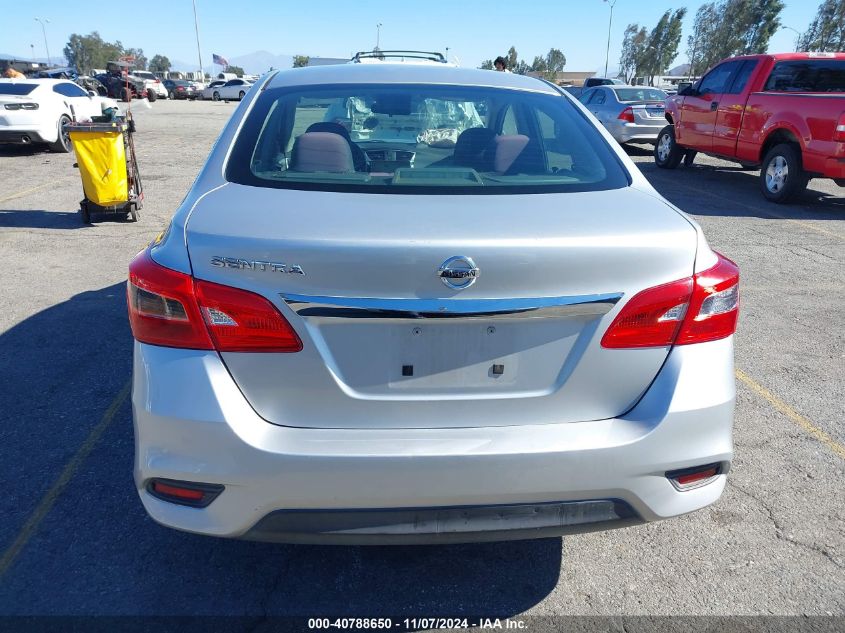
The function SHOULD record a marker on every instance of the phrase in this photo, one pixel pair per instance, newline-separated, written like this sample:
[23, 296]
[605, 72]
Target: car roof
[396, 73]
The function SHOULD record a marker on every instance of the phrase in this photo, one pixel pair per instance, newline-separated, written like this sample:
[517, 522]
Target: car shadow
[732, 190]
[24, 150]
[62, 368]
[40, 219]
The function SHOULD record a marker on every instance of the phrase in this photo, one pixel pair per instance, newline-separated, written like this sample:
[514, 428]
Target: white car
[353, 336]
[155, 88]
[208, 92]
[36, 110]
[234, 89]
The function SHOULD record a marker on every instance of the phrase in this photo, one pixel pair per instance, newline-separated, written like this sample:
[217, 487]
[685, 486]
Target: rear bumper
[23, 135]
[636, 132]
[425, 485]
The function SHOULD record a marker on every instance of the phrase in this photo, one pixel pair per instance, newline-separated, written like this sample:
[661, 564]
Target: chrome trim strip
[352, 307]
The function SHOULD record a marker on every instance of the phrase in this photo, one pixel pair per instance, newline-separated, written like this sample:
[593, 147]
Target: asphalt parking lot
[75, 539]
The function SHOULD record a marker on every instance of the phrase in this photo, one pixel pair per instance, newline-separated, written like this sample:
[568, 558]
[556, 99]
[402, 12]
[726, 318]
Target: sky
[472, 30]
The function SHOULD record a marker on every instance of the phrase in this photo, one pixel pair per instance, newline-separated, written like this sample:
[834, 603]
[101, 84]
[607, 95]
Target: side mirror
[688, 91]
[91, 94]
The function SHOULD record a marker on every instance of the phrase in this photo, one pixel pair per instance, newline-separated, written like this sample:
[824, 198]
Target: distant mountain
[679, 71]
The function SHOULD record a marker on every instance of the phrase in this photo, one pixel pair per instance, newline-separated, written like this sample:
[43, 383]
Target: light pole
[199, 52]
[797, 35]
[378, 35]
[44, 31]
[612, 3]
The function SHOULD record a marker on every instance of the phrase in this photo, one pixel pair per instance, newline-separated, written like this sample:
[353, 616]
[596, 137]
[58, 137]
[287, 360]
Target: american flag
[219, 59]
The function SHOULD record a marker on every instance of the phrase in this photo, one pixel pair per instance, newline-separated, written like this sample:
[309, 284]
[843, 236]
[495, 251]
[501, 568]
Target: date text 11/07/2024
[415, 624]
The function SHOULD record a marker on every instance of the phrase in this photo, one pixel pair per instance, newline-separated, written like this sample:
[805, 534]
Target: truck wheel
[62, 144]
[781, 175]
[151, 95]
[667, 153]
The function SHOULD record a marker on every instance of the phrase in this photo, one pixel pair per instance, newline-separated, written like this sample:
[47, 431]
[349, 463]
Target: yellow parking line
[28, 191]
[791, 413]
[770, 214]
[48, 501]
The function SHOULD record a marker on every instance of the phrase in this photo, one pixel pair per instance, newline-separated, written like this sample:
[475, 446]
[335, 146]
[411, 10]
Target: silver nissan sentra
[414, 303]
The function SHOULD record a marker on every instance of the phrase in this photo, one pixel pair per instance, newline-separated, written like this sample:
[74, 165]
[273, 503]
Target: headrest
[507, 149]
[322, 151]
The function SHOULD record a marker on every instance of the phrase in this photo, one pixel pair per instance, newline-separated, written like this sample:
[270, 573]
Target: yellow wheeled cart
[105, 154]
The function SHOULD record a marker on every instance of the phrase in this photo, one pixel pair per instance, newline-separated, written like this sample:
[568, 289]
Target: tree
[633, 47]
[827, 31]
[159, 63]
[539, 64]
[555, 61]
[705, 26]
[236, 70]
[521, 68]
[140, 59]
[86, 52]
[300, 60]
[662, 44]
[487, 64]
[512, 59]
[733, 27]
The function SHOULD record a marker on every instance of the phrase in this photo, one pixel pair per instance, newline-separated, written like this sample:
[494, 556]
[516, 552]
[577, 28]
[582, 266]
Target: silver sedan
[356, 330]
[632, 114]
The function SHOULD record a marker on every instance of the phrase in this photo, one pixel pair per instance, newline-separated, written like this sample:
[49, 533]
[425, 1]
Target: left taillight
[627, 115]
[172, 309]
[21, 106]
[701, 308]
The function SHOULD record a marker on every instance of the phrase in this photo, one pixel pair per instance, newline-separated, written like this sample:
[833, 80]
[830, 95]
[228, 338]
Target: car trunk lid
[388, 344]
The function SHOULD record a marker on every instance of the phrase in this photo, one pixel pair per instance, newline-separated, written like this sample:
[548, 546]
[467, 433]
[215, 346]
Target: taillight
[627, 115]
[241, 321]
[162, 307]
[21, 106]
[701, 308]
[173, 309]
[180, 88]
[839, 132]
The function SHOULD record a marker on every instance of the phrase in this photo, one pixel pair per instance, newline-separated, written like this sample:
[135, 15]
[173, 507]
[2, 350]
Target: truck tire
[781, 175]
[667, 153]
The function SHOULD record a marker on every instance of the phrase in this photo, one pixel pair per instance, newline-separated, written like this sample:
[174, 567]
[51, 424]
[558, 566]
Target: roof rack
[400, 54]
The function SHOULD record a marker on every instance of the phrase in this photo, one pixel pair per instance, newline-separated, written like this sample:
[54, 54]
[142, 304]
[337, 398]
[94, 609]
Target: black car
[121, 86]
[180, 89]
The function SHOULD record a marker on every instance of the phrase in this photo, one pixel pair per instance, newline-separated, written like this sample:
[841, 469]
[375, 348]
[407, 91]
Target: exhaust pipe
[25, 139]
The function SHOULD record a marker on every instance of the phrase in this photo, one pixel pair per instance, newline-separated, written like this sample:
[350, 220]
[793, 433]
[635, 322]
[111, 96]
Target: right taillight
[701, 308]
[839, 132]
[172, 309]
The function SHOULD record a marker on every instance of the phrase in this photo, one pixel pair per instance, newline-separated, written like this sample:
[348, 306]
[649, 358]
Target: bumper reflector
[688, 478]
[186, 493]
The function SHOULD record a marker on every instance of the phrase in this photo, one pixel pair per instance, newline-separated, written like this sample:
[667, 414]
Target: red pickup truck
[783, 113]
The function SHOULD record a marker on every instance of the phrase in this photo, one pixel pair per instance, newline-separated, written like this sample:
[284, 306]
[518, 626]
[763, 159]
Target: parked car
[592, 82]
[234, 89]
[783, 113]
[632, 114]
[37, 110]
[208, 91]
[122, 87]
[90, 83]
[154, 87]
[432, 364]
[180, 89]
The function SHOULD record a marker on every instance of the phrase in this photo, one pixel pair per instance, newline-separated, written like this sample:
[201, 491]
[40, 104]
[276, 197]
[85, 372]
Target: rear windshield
[421, 139]
[17, 89]
[814, 75]
[626, 95]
